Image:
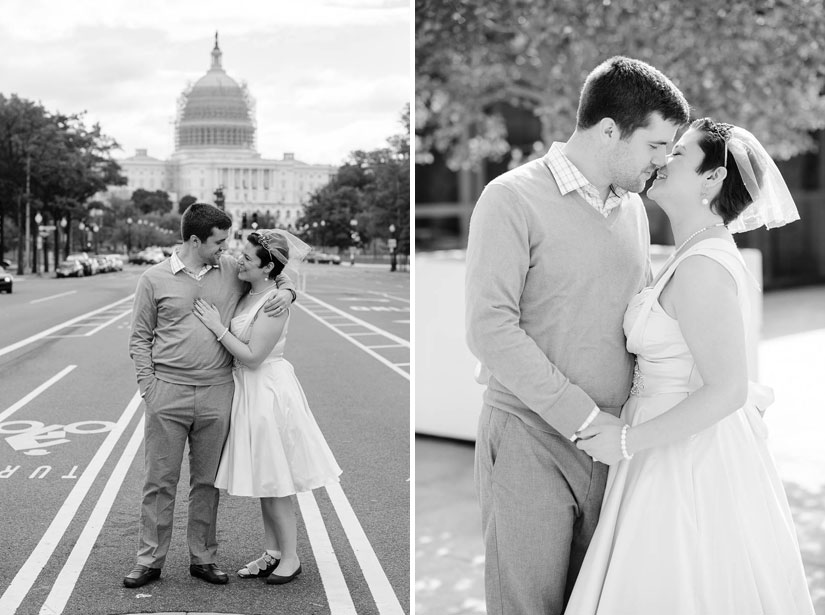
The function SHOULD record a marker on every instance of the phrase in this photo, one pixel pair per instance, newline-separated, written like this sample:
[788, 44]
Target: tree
[152, 202]
[755, 64]
[372, 188]
[52, 160]
[185, 202]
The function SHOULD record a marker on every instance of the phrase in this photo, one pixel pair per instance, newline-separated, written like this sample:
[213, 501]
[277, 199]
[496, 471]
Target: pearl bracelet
[225, 331]
[624, 442]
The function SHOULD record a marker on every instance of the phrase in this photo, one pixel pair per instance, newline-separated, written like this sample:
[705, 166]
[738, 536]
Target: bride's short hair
[277, 242]
[733, 197]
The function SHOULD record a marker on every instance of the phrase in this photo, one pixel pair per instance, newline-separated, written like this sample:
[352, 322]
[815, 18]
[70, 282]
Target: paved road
[71, 455]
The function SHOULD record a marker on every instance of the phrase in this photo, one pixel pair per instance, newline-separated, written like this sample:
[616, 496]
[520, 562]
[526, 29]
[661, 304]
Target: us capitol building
[215, 148]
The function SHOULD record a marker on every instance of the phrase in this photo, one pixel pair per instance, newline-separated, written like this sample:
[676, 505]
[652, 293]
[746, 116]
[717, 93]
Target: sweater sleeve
[144, 321]
[498, 260]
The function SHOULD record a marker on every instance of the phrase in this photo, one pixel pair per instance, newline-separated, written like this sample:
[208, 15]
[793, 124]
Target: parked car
[71, 269]
[6, 280]
[323, 257]
[115, 262]
[149, 256]
[89, 266]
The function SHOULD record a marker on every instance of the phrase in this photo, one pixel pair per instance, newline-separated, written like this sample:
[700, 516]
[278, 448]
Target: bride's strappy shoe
[261, 567]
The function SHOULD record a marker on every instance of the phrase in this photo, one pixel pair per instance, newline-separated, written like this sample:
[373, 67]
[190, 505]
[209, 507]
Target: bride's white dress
[274, 447]
[702, 526]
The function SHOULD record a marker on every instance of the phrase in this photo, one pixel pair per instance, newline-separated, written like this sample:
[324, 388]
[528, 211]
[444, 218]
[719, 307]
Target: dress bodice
[241, 327]
[664, 363]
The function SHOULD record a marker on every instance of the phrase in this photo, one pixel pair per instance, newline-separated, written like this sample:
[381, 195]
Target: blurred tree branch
[756, 63]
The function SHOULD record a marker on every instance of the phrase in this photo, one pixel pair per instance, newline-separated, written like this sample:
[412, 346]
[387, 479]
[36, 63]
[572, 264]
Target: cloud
[320, 65]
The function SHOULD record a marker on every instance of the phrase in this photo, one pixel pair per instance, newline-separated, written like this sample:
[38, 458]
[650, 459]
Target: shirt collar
[178, 266]
[567, 175]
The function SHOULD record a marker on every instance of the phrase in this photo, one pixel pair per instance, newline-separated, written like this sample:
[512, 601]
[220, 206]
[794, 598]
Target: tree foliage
[148, 202]
[372, 188]
[758, 64]
[54, 159]
[185, 202]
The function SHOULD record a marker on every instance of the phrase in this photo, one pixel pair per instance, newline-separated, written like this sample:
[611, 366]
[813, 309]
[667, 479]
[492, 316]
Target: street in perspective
[71, 454]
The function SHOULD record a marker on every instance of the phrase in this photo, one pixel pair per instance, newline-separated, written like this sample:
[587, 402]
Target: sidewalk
[449, 556]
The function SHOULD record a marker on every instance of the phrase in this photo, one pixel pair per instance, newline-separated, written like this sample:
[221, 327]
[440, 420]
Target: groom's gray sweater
[548, 281]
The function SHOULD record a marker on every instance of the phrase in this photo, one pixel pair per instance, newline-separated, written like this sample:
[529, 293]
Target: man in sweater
[557, 248]
[185, 378]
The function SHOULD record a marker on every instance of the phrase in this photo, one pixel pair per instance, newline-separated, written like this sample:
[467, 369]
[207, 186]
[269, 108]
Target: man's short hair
[200, 218]
[628, 91]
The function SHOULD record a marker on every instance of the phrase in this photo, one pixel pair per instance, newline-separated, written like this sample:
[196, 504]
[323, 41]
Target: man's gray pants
[540, 501]
[176, 413]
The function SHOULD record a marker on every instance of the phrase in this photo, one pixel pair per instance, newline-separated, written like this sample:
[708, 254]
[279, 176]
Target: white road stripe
[335, 587]
[66, 580]
[352, 340]
[387, 346]
[31, 569]
[108, 322]
[375, 292]
[63, 325]
[15, 407]
[71, 292]
[379, 584]
[394, 338]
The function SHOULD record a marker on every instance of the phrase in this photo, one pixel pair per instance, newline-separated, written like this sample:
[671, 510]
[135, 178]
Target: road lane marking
[62, 325]
[367, 325]
[379, 584]
[387, 346]
[335, 587]
[29, 571]
[349, 337]
[67, 579]
[388, 296]
[109, 322]
[71, 292]
[15, 407]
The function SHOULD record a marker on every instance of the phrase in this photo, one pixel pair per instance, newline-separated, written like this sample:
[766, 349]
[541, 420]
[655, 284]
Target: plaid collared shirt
[177, 265]
[569, 178]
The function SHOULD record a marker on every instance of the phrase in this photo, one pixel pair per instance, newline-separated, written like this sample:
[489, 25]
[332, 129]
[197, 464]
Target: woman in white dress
[274, 448]
[695, 520]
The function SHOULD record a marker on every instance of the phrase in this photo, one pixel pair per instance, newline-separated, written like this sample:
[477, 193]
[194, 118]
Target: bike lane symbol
[32, 437]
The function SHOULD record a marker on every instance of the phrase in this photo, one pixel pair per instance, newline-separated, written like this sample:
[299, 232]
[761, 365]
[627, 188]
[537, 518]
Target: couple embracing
[208, 336]
[621, 461]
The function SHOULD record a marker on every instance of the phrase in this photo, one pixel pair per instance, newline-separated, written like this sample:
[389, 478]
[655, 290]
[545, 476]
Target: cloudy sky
[328, 76]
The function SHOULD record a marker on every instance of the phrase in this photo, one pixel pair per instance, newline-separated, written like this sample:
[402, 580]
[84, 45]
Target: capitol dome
[215, 112]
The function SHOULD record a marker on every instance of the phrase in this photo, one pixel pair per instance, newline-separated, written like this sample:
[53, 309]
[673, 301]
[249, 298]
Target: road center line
[335, 587]
[15, 407]
[379, 584]
[71, 292]
[66, 580]
[62, 325]
[31, 569]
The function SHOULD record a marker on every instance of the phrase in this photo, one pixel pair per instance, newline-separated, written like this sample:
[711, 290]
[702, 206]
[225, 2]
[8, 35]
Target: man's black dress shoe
[209, 573]
[140, 576]
[277, 579]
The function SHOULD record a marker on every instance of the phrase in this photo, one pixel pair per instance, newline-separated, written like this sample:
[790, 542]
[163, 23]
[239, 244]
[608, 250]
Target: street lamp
[129, 236]
[392, 242]
[355, 238]
[95, 229]
[61, 236]
[323, 233]
[82, 228]
[38, 219]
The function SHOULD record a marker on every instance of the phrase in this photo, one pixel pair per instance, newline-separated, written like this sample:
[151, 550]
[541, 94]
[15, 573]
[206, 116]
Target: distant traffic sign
[47, 228]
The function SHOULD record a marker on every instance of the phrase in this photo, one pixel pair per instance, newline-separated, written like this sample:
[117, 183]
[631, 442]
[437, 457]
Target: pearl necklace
[699, 232]
[251, 293]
